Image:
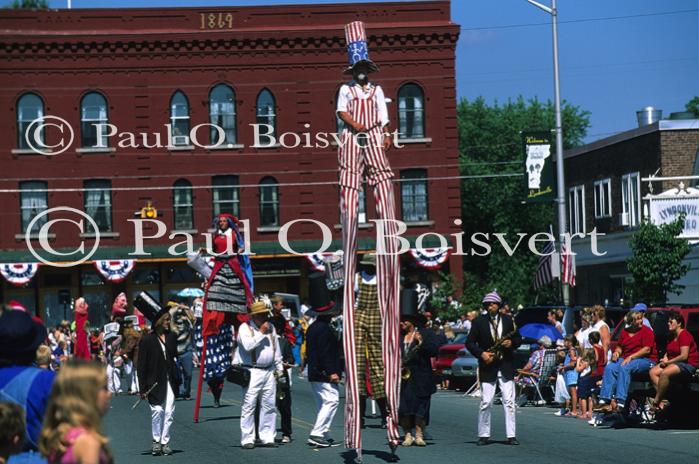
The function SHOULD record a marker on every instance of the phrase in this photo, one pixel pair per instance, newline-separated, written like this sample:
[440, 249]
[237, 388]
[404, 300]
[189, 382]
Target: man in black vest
[157, 371]
[492, 340]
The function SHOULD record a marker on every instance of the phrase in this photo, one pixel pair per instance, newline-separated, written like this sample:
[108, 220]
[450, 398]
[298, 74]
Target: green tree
[490, 144]
[656, 264]
[693, 106]
[439, 299]
[30, 4]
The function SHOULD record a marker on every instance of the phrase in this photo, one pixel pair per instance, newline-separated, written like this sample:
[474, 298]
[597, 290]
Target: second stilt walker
[364, 141]
[229, 293]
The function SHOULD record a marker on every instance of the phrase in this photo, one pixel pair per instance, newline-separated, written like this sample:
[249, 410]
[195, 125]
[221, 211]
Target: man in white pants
[258, 349]
[492, 340]
[156, 372]
[324, 366]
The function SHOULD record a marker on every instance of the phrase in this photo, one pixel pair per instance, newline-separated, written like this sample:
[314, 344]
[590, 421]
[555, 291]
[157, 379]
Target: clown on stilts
[229, 293]
[364, 141]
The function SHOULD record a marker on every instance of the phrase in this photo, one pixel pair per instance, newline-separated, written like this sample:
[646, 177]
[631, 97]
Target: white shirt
[265, 346]
[366, 279]
[582, 338]
[344, 97]
[492, 327]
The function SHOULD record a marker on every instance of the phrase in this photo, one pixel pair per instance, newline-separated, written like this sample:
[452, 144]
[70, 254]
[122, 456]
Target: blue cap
[640, 307]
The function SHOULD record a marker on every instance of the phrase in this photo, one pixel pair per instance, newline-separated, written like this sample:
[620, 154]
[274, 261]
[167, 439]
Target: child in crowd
[596, 375]
[72, 432]
[585, 367]
[43, 357]
[60, 354]
[11, 430]
[570, 374]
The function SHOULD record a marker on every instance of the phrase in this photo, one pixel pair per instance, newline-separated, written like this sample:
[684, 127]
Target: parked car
[464, 369]
[447, 354]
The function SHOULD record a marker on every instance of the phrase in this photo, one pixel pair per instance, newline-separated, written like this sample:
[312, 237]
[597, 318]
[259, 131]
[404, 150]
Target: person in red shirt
[636, 353]
[278, 318]
[681, 359]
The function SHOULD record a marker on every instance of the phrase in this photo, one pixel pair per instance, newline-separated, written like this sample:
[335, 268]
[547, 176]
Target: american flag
[568, 265]
[354, 32]
[544, 274]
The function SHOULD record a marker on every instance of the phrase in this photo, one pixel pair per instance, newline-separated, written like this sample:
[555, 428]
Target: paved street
[545, 438]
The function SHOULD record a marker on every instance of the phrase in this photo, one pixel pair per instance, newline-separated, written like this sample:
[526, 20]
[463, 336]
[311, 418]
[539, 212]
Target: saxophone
[405, 372]
[498, 349]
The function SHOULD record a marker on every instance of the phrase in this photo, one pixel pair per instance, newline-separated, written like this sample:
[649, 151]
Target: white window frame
[179, 140]
[576, 212]
[603, 198]
[629, 207]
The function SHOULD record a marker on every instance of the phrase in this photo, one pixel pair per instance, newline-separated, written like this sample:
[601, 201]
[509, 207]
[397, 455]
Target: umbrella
[191, 293]
[536, 330]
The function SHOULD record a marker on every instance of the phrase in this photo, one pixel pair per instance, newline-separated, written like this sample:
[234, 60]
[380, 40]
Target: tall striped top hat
[357, 50]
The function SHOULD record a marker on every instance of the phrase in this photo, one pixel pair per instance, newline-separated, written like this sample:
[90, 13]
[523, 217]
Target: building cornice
[36, 49]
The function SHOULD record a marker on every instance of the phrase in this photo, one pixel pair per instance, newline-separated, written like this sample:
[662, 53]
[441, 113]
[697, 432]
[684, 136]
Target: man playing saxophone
[492, 340]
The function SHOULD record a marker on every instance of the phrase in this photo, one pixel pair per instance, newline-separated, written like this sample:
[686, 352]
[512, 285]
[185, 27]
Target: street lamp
[560, 182]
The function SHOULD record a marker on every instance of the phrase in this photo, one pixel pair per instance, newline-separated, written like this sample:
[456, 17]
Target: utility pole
[560, 174]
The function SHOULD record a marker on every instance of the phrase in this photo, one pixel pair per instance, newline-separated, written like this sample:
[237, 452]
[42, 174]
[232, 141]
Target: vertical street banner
[539, 166]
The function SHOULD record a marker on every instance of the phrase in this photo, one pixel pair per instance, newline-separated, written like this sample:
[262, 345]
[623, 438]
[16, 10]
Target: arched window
[222, 115]
[179, 119]
[269, 202]
[411, 112]
[266, 115]
[29, 108]
[414, 194]
[182, 205]
[93, 113]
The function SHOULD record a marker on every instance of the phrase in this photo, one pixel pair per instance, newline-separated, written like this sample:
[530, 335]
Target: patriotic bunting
[115, 271]
[19, 274]
[430, 258]
[317, 261]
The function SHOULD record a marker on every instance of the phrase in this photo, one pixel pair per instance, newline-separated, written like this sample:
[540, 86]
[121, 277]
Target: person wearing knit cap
[487, 331]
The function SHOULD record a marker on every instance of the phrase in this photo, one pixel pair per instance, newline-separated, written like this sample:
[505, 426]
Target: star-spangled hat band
[357, 51]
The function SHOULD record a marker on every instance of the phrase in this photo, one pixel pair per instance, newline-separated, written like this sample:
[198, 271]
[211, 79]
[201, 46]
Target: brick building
[140, 69]
[605, 191]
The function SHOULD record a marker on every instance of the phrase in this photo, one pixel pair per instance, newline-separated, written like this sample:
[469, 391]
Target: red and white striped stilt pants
[353, 160]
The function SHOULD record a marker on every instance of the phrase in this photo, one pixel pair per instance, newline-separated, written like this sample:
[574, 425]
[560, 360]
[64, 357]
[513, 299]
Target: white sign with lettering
[667, 207]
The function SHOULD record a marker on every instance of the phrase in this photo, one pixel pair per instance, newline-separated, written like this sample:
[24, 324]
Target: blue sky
[610, 67]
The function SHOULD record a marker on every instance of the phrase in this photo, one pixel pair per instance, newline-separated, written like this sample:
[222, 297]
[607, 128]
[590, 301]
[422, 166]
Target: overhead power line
[581, 20]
